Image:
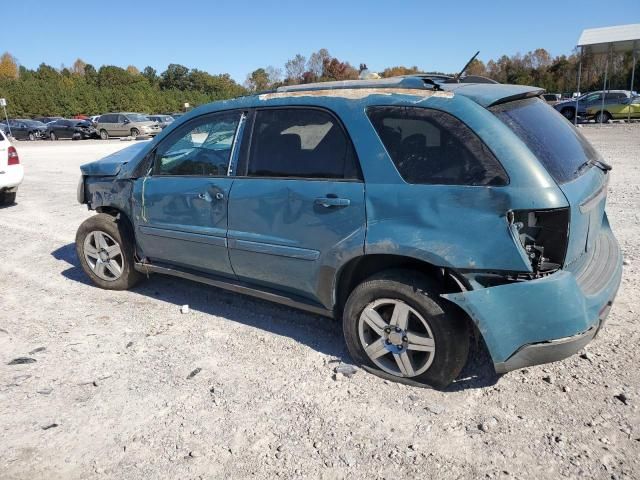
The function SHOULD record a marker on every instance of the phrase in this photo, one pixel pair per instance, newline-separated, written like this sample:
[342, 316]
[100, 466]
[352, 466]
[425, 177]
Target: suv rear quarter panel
[461, 227]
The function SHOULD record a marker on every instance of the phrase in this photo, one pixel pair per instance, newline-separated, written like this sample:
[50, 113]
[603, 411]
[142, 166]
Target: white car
[11, 172]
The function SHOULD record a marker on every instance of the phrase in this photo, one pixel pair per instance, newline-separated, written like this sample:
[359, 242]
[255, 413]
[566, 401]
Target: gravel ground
[126, 386]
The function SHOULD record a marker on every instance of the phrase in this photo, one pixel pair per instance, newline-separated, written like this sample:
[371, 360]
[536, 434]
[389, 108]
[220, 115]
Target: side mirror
[126, 120]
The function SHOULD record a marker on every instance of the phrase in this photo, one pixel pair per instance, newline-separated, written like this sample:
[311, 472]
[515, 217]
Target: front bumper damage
[548, 319]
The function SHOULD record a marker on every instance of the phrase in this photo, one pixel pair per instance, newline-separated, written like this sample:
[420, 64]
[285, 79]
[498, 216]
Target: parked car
[11, 172]
[75, 129]
[94, 119]
[24, 129]
[126, 124]
[162, 120]
[588, 100]
[46, 120]
[626, 108]
[414, 215]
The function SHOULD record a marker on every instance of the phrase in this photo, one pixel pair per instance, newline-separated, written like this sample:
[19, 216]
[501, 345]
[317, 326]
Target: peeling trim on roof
[356, 93]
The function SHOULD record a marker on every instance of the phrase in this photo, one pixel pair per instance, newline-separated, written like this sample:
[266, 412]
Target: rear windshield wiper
[601, 164]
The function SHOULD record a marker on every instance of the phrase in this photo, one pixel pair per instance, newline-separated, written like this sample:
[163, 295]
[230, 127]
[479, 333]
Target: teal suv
[417, 210]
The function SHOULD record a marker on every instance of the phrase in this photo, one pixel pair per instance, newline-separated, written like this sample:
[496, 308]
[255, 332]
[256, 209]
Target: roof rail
[430, 81]
[409, 82]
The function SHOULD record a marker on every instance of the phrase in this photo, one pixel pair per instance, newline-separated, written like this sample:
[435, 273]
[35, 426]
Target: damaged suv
[418, 211]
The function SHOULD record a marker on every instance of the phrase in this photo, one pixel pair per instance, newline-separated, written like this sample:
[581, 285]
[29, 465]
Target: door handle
[206, 197]
[328, 202]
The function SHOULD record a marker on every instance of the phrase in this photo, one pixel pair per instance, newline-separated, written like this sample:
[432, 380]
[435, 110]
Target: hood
[111, 164]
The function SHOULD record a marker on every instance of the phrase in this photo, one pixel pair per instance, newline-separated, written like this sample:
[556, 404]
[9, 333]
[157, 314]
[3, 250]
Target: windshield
[558, 145]
[136, 117]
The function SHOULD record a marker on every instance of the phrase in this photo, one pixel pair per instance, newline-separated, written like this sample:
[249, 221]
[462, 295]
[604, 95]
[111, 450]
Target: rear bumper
[11, 177]
[548, 319]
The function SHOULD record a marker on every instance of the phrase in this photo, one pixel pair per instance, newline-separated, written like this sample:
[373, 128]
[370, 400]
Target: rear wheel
[104, 135]
[603, 117]
[396, 325]
[8, 198]
[105, 248]
[52, 136]
[135, 132]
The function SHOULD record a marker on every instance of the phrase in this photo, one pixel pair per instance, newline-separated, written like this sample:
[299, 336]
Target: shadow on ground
[319, 333]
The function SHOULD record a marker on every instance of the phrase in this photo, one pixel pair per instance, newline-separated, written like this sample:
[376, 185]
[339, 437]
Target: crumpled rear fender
[510, 316]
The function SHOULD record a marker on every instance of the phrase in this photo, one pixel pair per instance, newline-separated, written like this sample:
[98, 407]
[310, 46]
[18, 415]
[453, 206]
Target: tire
[445, 340]
[89, 248]
[568, 113]
[104, 135]
[52, 136]
[32, 136]
[8, 198]
[135, 132]
[603, 116]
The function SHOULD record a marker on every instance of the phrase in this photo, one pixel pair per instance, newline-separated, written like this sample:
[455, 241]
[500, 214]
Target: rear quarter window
[557, 144]
[433, 147]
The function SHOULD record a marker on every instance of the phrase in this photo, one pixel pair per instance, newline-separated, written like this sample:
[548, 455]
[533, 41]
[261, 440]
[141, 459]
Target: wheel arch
[361, 267]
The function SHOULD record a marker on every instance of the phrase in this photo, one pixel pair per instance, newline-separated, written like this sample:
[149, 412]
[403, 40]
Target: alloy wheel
[103, 255]
[396, 337]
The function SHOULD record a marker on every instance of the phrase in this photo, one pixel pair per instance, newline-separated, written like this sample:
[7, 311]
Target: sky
[237, 37]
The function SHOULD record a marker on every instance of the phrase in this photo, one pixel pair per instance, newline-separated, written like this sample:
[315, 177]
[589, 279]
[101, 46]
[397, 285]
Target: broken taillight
[13, 156]
[544, 236]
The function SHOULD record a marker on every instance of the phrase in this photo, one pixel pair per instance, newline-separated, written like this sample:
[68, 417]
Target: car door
[297, 207]
[180, 207]
[61, 128]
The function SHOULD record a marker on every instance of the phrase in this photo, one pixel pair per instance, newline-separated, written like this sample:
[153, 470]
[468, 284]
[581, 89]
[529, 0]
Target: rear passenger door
[297, 206]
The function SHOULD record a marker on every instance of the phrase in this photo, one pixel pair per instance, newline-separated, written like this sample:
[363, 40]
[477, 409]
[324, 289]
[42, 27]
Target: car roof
[408, 90]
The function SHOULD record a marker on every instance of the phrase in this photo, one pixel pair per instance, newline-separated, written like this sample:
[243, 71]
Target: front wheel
[104, 135]
[52, 136]
[135, 132]
[32, 136]
[105, 248]
[603, 117]
[396, 325]
[568, 113]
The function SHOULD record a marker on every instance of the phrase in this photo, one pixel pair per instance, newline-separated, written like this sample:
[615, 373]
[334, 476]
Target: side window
[432, 147]
[201, 147]
[300, 143]
[121, 119]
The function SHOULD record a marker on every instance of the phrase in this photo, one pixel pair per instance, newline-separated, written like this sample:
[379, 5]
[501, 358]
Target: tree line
[83, 89]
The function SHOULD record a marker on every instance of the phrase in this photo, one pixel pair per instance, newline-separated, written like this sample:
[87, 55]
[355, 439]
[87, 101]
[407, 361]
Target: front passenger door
[180, 209]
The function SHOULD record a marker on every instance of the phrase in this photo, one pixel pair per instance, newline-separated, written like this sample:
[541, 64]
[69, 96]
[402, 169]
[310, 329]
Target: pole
[7, 118]
[604, 86]
[633, 73]
[575, 115]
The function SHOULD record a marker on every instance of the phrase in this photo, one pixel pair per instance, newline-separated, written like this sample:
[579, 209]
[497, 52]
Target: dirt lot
[115, 377]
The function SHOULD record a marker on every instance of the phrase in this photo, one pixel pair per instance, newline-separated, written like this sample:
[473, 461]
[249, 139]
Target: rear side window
[432, 147]
[300, 143]
[559, 146]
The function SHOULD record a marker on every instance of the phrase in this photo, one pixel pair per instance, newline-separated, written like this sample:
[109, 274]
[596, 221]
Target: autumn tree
[399, 70]
[295, 68]
[258, 80]
[78, 67]
[133, 70]
[8, 66]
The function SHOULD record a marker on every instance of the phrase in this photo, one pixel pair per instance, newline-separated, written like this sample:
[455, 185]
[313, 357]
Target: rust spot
[357, 93]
